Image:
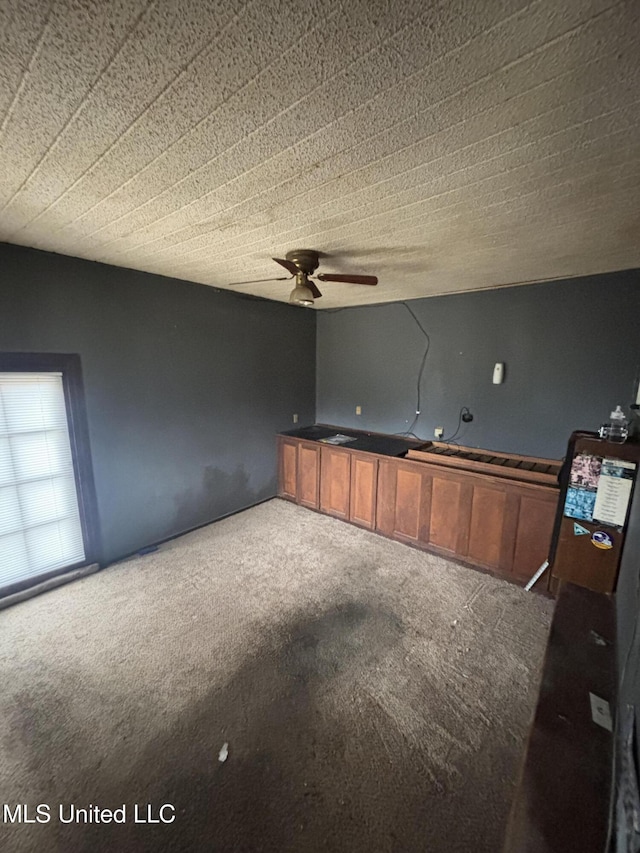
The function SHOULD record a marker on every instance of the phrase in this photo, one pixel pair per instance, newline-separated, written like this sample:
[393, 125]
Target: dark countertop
[369, 442]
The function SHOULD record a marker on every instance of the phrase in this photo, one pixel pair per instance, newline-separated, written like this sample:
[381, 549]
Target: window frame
[68, 364]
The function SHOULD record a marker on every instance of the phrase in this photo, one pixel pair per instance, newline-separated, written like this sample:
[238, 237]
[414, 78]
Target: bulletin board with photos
[596, 495]
[599, 489]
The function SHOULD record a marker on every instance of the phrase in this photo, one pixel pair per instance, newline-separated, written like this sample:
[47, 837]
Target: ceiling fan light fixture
[301, 264]
[301, 295]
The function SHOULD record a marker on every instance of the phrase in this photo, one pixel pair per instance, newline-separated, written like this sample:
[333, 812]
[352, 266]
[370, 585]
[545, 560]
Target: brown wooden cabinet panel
[403, 500]
[407, 515]
[364, 480]
[445, 513]
[386, 496]
[335, 481]
[288, 469]
[309, 474]
[533, 536]
[510, 530]
[487, 524]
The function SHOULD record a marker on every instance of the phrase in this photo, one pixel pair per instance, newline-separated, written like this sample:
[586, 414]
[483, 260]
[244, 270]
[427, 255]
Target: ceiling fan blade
[349, 279]
[259, 280]
[288, 265]
[312, 287]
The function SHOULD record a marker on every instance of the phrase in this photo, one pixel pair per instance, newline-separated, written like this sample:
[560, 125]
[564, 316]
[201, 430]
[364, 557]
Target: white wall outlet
[601, 712]
[438, 432]
[295, 419]
[358, 410]
[498, 373]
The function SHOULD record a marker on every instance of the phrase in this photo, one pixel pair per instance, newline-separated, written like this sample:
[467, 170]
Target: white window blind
[40, 528]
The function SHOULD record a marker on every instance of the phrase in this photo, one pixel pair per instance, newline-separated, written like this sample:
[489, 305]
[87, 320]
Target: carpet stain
[349, 635]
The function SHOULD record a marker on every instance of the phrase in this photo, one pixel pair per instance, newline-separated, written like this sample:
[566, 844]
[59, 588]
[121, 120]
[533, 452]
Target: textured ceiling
[444, 146]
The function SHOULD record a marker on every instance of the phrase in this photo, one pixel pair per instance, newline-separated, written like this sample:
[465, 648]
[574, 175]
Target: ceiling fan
[302, 263]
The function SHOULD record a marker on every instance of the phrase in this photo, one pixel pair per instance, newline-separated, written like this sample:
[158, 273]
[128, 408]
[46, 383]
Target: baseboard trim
[160, 542]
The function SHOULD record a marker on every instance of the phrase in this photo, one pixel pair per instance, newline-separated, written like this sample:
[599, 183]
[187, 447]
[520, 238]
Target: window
[43, 529]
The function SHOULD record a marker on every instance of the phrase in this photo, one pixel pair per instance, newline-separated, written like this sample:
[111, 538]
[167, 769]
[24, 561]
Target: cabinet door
[288, 469]
[449, 515]
[533, 537]
[488, 517]
[308, 474]
[403, 501]
[364, 478]
[335, 481]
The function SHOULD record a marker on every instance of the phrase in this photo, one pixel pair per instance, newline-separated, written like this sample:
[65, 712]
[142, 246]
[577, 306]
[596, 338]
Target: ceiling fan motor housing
[306, 260]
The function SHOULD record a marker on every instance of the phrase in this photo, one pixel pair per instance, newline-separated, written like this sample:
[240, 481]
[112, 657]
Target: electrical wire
[423, 362]
[420, 374]
[450, 439]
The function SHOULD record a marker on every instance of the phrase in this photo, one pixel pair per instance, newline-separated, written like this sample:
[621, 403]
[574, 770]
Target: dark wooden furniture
[574, 558]
[500, 523]
[561, 803]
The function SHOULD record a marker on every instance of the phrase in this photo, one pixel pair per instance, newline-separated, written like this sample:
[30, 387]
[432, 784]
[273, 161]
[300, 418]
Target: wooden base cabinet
[348, 485]
[299, 471]
[337, 481]
[492, 522]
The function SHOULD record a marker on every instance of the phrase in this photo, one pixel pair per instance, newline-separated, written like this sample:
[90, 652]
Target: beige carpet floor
[373, 697]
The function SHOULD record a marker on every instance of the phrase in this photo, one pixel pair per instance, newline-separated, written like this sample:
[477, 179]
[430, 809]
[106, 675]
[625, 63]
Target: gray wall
[185, 386]
[571, 351]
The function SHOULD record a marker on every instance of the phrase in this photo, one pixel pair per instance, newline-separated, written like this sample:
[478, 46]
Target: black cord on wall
[423, 363]
[420, 374]
[454, 435]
